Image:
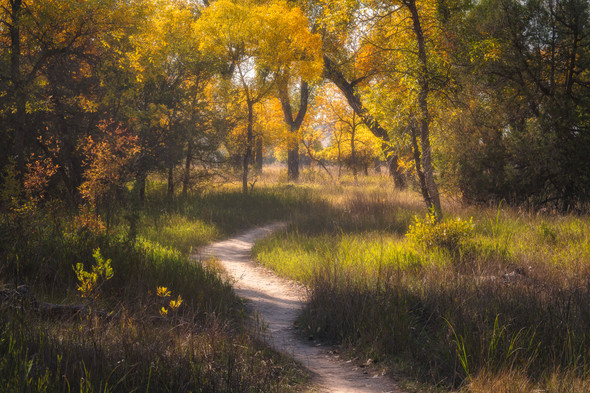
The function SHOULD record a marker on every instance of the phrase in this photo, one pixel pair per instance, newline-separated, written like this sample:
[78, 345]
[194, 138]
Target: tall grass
[507, 309]
[127, 343]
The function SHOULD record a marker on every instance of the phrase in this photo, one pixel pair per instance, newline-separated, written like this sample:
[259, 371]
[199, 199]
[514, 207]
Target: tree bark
[348, 90]
[418, 164]
[294, 124]
[293, 164]
[433, 202]
[352, 149]
[395, 170]
[248, 152]
[187, 167]
[171, 181]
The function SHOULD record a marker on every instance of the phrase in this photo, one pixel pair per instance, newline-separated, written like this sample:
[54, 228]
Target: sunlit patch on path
[278, 302]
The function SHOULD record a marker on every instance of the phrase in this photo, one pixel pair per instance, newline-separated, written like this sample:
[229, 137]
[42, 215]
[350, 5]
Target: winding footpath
[278, 303]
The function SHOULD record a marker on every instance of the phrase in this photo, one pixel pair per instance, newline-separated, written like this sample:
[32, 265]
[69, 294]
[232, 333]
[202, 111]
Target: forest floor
[275, 304]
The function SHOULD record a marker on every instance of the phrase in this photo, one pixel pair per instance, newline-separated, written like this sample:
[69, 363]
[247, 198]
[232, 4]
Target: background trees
[264, 45]
[349, 141]
[490, 100]
[524, 125]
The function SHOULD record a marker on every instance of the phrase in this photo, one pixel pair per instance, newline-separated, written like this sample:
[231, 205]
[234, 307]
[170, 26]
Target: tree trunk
[171, 181]
[294, 125]
[418, 163]
[433, 202]
[258, 157]
[248, 152]
[17, 89]
[395, 171]
[293, 164]
[352, 149]
[187, 167]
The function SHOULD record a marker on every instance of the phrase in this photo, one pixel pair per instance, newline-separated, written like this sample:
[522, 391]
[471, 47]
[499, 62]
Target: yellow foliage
[89, 282]
[275, 34]
[163, 292]
[335, 116]
[174, 304]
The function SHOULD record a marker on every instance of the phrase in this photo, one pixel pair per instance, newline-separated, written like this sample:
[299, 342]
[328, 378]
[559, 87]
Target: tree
[527, 94]
[107, 166]
[390, 41]
[261, 44]
[294, 123]
[171, 106]
[343, 24]
[351, 142]
[52, 54]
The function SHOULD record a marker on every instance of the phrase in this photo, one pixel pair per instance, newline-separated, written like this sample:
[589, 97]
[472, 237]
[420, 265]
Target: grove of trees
[489, 100]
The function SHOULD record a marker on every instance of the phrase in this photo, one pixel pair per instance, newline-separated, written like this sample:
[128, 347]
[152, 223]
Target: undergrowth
[90, 309]
[487, 300]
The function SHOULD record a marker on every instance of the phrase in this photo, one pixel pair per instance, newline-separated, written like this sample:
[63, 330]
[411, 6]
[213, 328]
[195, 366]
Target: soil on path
[278, 303]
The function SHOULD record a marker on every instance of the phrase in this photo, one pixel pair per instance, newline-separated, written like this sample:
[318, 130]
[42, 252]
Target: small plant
[547, 233]
[448, 234]
[172, 305]
[90, 282]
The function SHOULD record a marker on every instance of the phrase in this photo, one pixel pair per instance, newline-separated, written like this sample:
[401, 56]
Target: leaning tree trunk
[418, 164]
[353, 98]
[353, 160]
[393, 167]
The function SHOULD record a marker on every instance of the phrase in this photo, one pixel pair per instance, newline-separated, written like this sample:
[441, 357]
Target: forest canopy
[487, 100]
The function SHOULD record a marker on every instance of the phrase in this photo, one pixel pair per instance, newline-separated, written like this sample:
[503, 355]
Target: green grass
[506, 309]
[302, 257]
[202, 346]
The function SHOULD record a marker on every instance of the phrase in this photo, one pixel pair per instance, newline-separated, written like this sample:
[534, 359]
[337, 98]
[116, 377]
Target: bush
[447, 235]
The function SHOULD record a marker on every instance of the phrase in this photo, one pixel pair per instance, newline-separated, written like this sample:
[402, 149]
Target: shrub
[448, 235]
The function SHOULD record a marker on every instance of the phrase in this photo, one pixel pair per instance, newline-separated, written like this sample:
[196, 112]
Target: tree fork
[294, 124]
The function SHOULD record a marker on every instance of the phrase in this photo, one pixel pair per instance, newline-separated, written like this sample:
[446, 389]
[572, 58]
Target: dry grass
[202, 346]
[508, 309]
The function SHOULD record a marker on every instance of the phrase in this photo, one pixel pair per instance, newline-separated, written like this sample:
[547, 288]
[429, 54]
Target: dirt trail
[278, 302]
